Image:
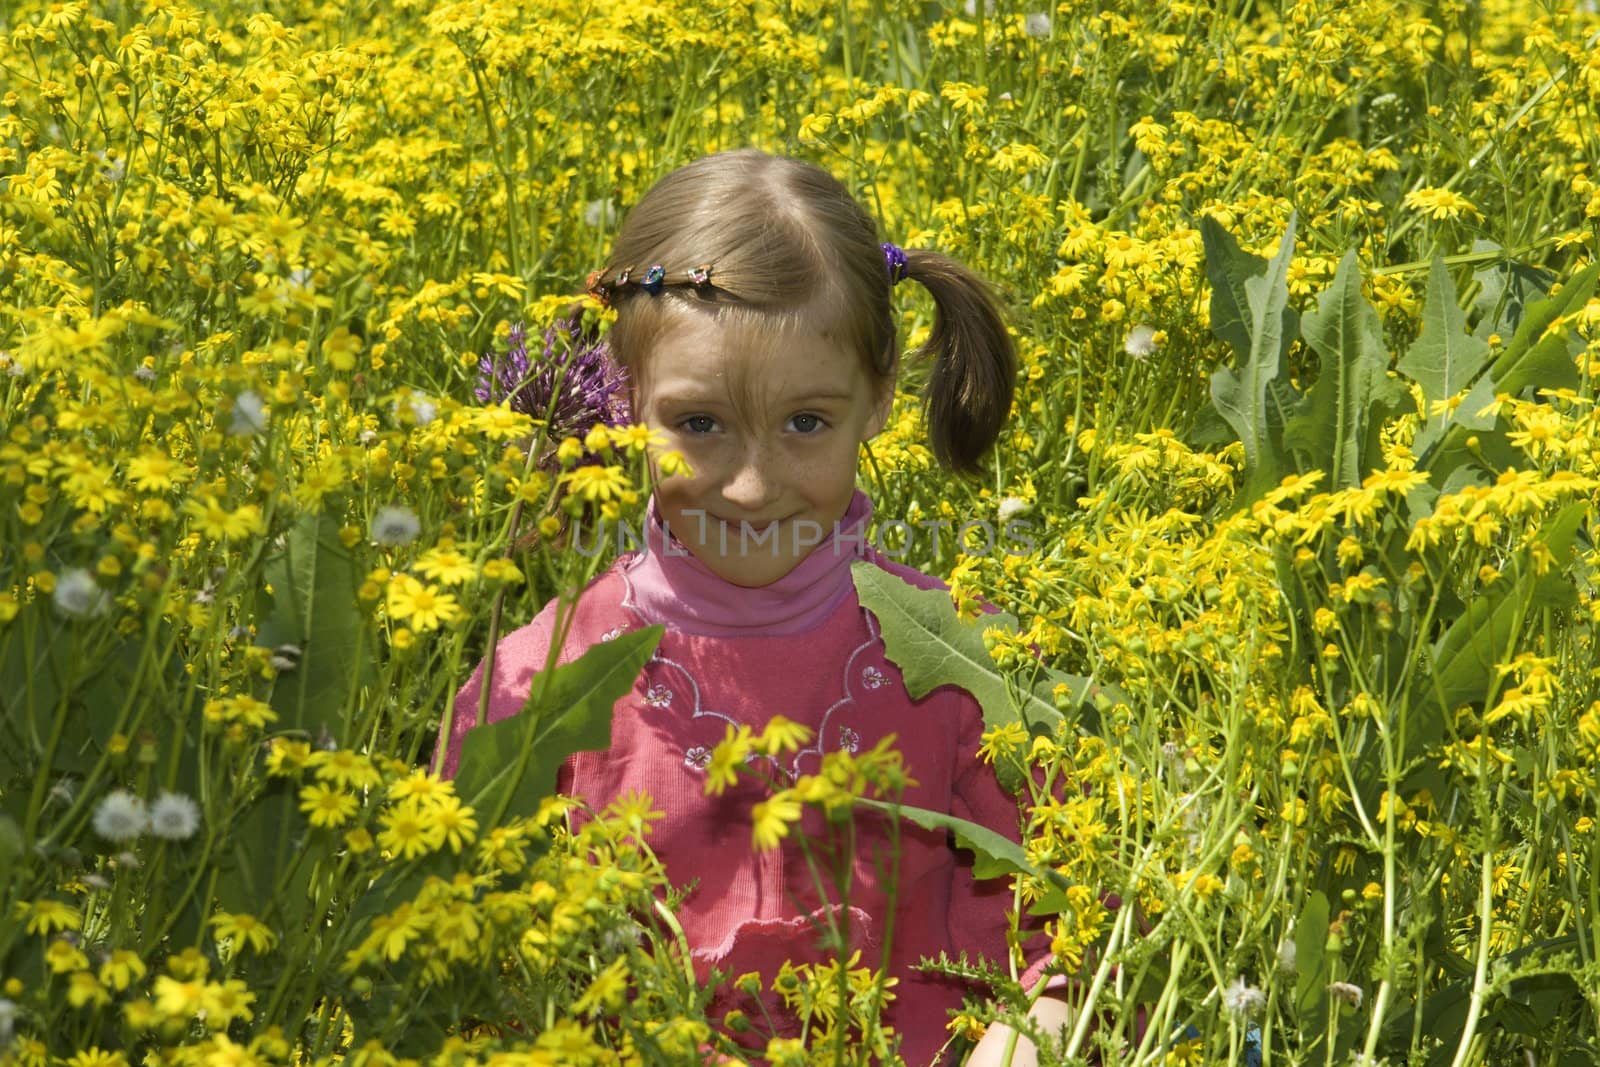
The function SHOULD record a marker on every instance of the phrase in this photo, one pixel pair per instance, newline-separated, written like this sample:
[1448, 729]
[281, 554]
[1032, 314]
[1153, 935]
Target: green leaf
[1532, 357]
[314, 581]
[932, 646]
[993, 853]
[1445, 359]
[1227, 268]
[10, 848]
[1332, 425]
[266, 867]
[510, 766]
[1467, 657]
[1310, 958]
[1259, 323]
[1506, 288]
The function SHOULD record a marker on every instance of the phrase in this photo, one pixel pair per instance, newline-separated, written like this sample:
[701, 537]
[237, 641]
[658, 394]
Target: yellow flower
[83, 989]
[1439, 203]
[326, 806]
[770, 820]
[636, 437]
[597, 484]
[226, 1001]
[46, 916]
[342, 767]
[605, 993]
[218, 523]
[423, 605]
[121, 969]
[244, 930]
[455, 822]
[725, 760]
[782, 735]
[95, 1056]
[409, 832]
[179, 1001]
[447, 566]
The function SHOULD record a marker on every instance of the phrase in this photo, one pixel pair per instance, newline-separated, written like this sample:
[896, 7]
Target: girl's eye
[700, 424]
[805, 423]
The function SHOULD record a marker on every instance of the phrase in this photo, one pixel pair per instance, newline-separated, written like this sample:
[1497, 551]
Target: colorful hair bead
[625, 277]
[653, 279]
[701, 275]
[598, 289]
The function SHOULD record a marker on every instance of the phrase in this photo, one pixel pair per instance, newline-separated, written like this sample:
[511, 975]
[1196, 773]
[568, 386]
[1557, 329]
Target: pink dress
[804, 648]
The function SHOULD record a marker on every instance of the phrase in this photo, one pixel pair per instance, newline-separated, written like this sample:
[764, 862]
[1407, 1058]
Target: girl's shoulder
[597, 613]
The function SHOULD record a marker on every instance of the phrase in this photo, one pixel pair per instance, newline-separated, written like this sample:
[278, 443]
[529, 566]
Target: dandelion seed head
[1287, 962]
[249, 414]
[1346, 993]
[1036, 24]
[395, 525]
[1141, 341]
[1012, 506]
[120, 817]
[78, 596]
[174, 817]
[1243, 999]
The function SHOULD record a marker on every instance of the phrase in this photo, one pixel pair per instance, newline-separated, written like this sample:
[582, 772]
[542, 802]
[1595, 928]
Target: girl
[754, 319]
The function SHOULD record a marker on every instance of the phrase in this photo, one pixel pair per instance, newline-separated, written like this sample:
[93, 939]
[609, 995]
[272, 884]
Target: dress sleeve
[517, 658]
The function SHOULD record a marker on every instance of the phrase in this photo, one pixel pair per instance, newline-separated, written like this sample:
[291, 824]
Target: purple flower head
[574, 382]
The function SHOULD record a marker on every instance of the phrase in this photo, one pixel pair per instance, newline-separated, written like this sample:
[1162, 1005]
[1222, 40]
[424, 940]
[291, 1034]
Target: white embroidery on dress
[612, 634]
[658, 696]
[699, 757]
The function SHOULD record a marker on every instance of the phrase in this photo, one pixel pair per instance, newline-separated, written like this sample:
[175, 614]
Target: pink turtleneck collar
[667, 584]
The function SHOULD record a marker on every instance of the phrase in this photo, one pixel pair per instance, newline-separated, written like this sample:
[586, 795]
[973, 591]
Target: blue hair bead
[894, 258]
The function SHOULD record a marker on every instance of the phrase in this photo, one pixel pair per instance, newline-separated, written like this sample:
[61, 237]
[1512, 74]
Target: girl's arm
[517, 657]
[1050, 1015]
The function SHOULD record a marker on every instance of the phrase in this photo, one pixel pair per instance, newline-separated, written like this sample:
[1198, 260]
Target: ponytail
[974, 372]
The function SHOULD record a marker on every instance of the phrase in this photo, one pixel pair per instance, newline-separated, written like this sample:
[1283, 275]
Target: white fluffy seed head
[395, 525]
[120, 817]
[174, 817]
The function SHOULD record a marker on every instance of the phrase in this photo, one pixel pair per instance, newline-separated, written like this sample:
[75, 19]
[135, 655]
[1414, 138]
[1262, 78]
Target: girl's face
[771, 425]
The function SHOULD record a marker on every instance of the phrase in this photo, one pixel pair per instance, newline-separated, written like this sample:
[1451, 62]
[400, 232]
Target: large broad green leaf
[1257, 320]
[993, 853]
[1445, 359]
[1535, 357]
[1311, 960]
[1331, 426]
[1228, 267]
[1467, 657]
[1506, 289]
[314, 609]
[510, 765]
[262, 869]
[932, 646]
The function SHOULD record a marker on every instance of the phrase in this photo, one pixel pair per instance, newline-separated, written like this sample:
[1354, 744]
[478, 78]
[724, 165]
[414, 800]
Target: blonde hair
[784, 242]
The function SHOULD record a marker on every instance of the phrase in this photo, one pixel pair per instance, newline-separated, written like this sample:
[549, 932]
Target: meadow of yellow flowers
[1303, 687]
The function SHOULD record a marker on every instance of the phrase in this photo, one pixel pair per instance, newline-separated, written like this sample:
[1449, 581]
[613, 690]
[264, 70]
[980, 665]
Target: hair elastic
[894, 257]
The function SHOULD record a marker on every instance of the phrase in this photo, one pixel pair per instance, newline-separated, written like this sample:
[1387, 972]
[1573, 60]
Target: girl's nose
[753, 484]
